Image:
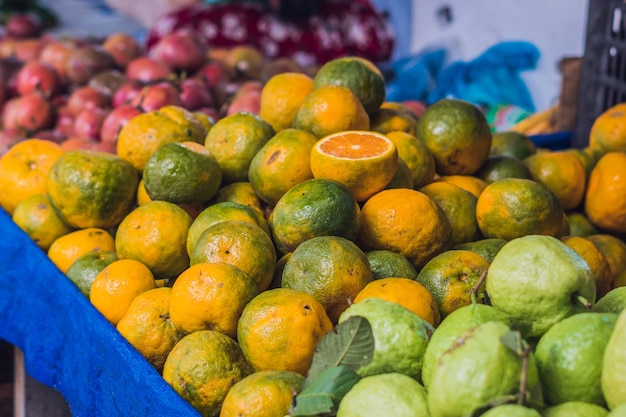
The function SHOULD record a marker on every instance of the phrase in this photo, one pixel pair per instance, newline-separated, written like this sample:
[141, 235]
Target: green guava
[449, 330]
[511, 410]
[613, 301]
[400, 337]
[390, 394]
[537, 280]
[569, 358]
[619, 411]
[613, 378]
[478, 368]
[575, 409]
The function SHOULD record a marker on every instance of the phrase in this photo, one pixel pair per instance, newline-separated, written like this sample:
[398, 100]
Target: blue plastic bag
[414, 76]
[491, 79]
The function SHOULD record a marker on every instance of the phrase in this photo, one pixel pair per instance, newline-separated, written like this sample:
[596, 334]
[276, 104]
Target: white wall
[556, 27]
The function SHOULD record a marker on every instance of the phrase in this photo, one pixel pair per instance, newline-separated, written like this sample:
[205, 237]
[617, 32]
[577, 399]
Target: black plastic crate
[603, 70]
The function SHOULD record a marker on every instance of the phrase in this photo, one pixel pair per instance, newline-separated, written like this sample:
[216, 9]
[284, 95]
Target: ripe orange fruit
[210, 296]
[219, 212]
[407, 222]
[614, 249]
[239, 192]
[605, 199]
[450, 277]
[147, 132]
[364, 162]
[331, 109]
[469, 183]
[515, 207]
[579, 224]
[281, 163]
[279, 329]
[241, 244]
[234, 140]
[147, 326]
[182, 173]
[23, 170]
[459, 206]
[315, 207]
[608, 132]
[403, 177]
[262, 394]
[38, 219]
[416, 155]
[92, 188]
[85, 268]
[71, 246]
[330, 268]
[407, 292]
[595, 259]
[387, 120]
[155, 235]
[487, 248]
[498, 167]
[457, 134]
[360, 75]
[562, 172]
[206, 386]
[511, 143]
[193, 209]
[386, 264]
[115, 287]
[282, 96]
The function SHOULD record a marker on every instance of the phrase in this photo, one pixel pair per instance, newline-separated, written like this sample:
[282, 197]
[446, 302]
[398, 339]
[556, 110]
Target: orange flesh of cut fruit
[354, 146]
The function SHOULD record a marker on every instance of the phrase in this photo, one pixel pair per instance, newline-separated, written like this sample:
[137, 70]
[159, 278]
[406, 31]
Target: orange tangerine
[363, 161]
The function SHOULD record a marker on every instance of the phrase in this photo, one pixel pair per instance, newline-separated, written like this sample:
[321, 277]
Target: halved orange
[363, 161]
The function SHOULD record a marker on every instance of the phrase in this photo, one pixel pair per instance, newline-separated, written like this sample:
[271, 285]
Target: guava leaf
[351, 344]
[323, 395]
[513, 341]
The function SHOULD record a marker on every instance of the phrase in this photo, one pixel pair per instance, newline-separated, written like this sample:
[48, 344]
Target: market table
[68, 345]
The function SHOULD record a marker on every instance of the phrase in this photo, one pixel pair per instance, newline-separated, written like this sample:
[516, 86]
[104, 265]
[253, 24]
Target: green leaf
[323, 396]
[351, 344]
[514, 342]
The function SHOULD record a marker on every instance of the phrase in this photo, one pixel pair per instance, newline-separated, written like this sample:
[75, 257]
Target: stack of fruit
[324, 252]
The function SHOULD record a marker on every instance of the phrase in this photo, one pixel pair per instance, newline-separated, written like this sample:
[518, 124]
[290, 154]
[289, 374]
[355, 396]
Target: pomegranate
[155, 96]
[87, 98]
[64, 121]
[24, 25]
[115, 120]
[147, 70]
[247, 101]
[49, 134]
[123, 48]
[56, 54]
[29, 113]
[195, 94]
[87, 61]
[8, 138]
[75, 142]
[37, 76]
[27, 50]
[88, 123]
[126, 93]
[213, 73]
[181, 50]
[108, 81]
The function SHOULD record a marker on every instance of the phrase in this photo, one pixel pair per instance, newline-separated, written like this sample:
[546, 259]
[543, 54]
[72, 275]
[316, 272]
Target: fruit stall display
[215, 234]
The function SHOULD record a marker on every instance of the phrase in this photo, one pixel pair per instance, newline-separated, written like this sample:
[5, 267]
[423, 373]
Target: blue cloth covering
[68, 345]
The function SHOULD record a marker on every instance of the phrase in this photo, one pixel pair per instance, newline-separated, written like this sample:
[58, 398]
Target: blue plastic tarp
[68, 345]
